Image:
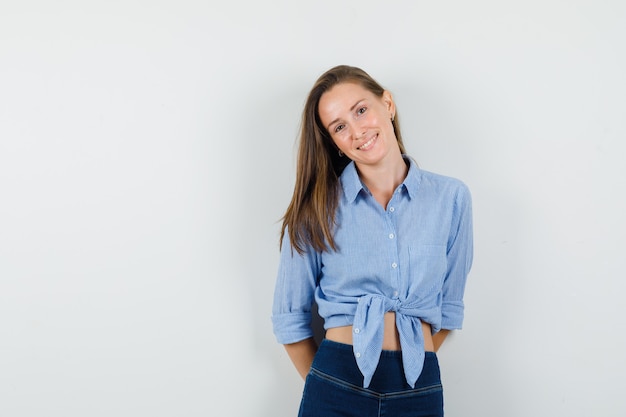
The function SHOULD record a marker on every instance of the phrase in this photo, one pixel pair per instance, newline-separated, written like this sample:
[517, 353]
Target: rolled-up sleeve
[294, 293]
[460, 253]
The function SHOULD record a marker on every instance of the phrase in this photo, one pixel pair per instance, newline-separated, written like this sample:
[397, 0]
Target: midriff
[391, 339]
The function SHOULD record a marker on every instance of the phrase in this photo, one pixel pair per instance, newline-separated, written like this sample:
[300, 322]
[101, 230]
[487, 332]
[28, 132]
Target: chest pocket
[427, 269]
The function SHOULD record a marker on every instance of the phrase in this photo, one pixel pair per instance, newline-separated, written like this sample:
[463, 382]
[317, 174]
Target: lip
[368, 145]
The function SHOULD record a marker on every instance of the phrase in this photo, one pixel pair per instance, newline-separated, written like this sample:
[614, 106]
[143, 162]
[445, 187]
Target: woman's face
[359, 122]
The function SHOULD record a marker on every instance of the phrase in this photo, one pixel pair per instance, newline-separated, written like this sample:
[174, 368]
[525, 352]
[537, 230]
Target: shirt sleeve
[294, 293]
[459, 258]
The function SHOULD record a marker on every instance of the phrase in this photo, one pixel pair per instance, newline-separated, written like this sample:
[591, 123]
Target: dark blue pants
[334, 387]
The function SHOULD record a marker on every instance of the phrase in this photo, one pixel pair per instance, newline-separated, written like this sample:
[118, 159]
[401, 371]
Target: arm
[459, 259]
[301, 354]
[439, 337]
[293, 301]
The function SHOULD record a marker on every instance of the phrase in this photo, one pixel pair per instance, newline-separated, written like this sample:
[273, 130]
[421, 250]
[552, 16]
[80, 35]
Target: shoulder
[430, 181]
[448, 193]
[443, 180]
[420, 178]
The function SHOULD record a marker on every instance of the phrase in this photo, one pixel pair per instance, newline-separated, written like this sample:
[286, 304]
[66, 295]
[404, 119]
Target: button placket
[393, 239]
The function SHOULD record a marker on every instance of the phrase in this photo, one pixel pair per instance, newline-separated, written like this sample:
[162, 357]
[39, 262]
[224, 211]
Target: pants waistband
[337, 360]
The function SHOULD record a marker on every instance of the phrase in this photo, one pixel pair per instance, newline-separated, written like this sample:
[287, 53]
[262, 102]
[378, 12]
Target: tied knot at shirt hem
[368, 329]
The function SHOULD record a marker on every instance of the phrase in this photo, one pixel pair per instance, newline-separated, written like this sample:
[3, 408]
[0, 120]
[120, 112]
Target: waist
[337, 360]
[391, 339]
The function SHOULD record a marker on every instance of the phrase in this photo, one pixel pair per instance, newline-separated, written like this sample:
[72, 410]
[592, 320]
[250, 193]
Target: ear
[389, 103]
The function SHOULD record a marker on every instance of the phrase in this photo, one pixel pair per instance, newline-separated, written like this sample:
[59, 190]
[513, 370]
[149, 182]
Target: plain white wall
[147, 154]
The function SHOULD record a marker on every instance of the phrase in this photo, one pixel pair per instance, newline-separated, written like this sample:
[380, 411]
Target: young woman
[382, 247]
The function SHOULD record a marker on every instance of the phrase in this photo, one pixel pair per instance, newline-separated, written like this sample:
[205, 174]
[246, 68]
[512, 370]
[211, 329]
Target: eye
[361, 110]
[339, 128]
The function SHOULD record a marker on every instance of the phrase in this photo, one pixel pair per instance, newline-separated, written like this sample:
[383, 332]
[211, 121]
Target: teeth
[368, 143]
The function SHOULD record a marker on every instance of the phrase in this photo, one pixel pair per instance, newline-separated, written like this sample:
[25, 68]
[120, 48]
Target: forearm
[439, 337]
[302, 354]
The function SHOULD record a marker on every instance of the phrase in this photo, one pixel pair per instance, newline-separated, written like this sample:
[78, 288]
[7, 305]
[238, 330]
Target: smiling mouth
[367, 144]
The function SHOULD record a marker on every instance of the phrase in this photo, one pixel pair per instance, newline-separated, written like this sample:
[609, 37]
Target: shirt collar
[352, 185]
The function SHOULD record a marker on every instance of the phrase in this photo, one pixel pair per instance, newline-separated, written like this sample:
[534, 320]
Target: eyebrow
[351, 109]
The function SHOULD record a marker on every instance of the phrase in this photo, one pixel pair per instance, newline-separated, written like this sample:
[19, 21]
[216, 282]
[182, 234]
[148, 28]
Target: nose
[358, 131]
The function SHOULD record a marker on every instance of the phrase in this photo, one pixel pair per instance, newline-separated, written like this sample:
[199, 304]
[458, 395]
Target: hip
[334, 386]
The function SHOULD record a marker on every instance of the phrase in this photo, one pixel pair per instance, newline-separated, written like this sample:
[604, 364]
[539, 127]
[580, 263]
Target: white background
[147, 154]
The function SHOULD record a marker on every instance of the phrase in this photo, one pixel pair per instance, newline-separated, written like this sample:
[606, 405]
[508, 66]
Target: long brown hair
[310, 217]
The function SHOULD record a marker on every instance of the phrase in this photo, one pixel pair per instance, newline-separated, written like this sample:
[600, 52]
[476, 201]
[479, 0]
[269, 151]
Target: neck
[382, 180]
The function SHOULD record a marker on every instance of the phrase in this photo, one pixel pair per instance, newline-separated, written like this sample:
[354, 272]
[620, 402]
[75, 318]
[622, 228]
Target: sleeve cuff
[452, 315]
[292, 327]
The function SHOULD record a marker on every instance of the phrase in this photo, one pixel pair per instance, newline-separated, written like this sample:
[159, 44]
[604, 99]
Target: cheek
[379, 118]
[340, 142]
[342, 137]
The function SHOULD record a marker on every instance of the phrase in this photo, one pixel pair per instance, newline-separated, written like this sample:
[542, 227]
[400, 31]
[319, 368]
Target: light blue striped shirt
[412, 258]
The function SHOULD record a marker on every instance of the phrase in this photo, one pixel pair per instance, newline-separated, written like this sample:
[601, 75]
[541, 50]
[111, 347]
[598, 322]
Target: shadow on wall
[267, 163]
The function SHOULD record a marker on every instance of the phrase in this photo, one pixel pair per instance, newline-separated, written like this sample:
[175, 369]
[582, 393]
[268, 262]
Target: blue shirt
[412, 258]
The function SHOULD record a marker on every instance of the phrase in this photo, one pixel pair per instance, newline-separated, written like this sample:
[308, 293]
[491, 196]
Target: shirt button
[394, 265]
[390, 235]
[357, 330]
[358, 354]
[395, 293]
[392, 209]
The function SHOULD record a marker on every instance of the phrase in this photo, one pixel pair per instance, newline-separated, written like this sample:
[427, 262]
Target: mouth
[368, 144]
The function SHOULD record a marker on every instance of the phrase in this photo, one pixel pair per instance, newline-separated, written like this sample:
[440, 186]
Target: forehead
[340, 99]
